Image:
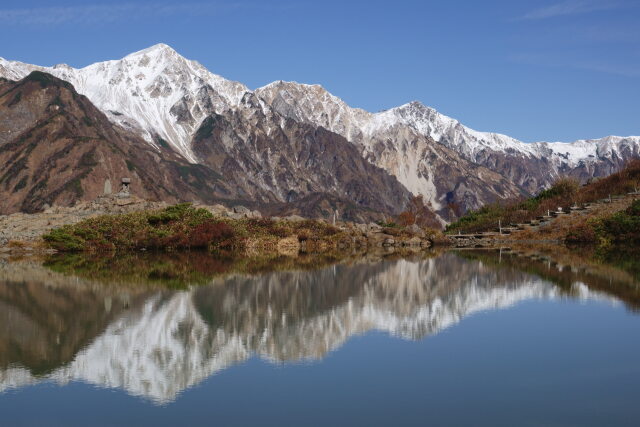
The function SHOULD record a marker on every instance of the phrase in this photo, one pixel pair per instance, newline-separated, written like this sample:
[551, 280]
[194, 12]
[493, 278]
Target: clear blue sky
[536, 70]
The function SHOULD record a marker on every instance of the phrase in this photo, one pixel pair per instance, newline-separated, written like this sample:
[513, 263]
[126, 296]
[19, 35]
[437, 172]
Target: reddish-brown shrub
[209, 232]
[581, 233]
[423, 213]
[304, 234]
[406, 218]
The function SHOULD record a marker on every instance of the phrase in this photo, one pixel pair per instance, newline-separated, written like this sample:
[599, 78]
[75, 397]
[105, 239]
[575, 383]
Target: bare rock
[389, 241]
[241, 210]
[416, 230]
[218, 210]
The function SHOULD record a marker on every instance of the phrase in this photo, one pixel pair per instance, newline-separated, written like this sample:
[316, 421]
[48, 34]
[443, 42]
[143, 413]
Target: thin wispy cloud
[577, 64]
[607, 34]
[114, 12]
[571, 7]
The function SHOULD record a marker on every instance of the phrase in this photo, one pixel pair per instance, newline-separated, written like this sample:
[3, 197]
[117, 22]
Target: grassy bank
[184, 227]
[564, 193]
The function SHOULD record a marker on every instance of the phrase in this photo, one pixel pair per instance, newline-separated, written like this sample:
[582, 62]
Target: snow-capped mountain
[174, 340]
[534, 165]
[155, 91]
[170, 101]
[56, 147]
[420, 164]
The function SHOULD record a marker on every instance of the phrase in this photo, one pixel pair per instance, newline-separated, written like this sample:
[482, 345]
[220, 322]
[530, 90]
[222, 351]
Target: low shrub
[179, 227]
[209, 233]
[622, 226]
[582, 233]
[619, 227]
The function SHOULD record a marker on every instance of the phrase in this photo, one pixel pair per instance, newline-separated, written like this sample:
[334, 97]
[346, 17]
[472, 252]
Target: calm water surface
[450, 339]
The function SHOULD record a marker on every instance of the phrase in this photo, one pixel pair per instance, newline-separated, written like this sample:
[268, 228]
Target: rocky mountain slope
[170, 101]
[529, 166]
[256, 148]
[56, 147]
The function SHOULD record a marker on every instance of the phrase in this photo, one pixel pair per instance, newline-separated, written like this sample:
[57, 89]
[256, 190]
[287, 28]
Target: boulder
[374, 227]
[416, 230]
[414, 241]
[217, 209]
[379, 239]
[241, 210]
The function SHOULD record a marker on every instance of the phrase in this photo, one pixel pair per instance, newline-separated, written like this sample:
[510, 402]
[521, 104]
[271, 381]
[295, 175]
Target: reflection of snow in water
[165, 346]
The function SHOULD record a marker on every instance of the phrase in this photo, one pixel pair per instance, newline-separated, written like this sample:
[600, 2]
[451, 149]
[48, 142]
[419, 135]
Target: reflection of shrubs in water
[623, 257]
[178, 269]
[615, 272]
[182, 269]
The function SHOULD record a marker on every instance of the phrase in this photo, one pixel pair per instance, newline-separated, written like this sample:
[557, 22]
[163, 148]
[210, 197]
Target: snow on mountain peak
[159, 47]
[165, 97]
[155, 92]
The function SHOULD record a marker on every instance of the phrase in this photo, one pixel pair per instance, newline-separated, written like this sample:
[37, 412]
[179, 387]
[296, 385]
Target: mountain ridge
[56, 147]
[165, 99]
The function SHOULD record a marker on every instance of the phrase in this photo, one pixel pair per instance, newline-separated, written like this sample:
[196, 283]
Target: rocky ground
[27, 228]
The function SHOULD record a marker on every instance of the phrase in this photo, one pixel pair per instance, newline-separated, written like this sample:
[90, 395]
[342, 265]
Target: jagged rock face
[528, 166]
[449, 182]
[57, 148]
[531, 166]
[420, 164]
[170, 341]
[256, 148]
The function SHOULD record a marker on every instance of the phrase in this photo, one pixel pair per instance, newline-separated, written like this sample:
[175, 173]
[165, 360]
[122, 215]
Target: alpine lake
[500, 337]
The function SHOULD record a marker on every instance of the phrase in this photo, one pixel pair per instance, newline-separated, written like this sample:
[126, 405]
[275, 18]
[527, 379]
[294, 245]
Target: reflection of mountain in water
[163, 342]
